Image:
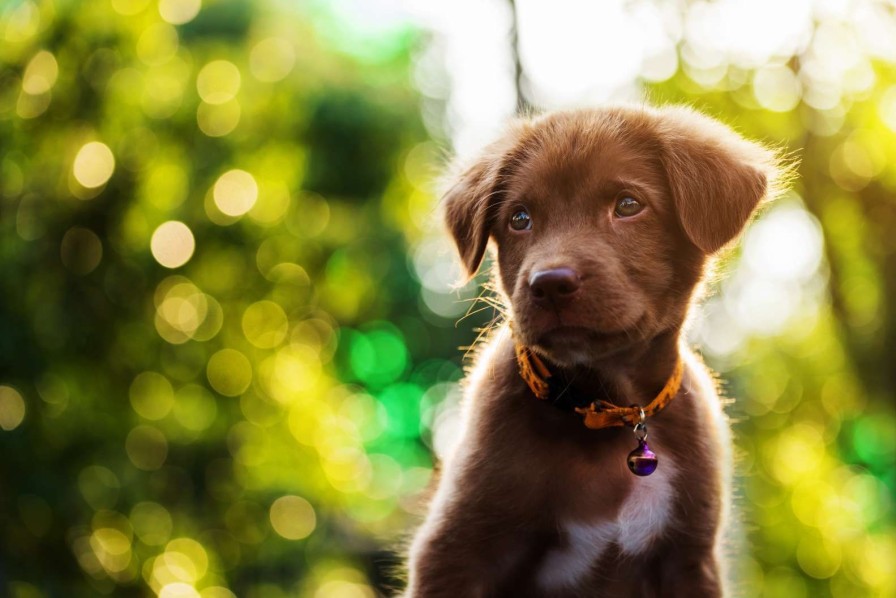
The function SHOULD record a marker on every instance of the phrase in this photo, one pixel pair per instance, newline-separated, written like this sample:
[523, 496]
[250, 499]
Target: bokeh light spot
[851, 166]
[20, 22]
[194, 552]
[151, 522]
[402, 403]
[195, 408]
[874, 439]
[377, 357]
[151, 395]
[344, 589]
[315, 215]
[799, 453]
[272, 59]
[247, 521]
[249, 444]
[129, 7]
[81, 250]
[777, 88]
[293, 517]
[99, 486]
[172, 244]
[94, 164]
[146, 447]
[218, 82]
[178, 12]
[235, 192]
[387, 477]
[112, 549]
[788, 230]
[876, 559]
[273, 203]
[293, 370]
[163, 88]
[29, 106]
[347, 468]
[157, 44]
[887, 108]
[229, 372]
[40, 74]
[218, 120]
[183, 311]
[166, 185]
[214, 319]
[12, 408]
[265, 324]
[818, 557]
[179, 589]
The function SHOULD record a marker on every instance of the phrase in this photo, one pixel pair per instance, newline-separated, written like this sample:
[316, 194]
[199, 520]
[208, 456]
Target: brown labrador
[603, 222]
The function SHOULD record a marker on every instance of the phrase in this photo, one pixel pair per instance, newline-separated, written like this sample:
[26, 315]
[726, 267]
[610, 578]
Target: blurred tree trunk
[870, 345]
[523, 101]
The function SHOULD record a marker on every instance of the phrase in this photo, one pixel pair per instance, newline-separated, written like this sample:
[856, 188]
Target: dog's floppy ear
[717, 177]
[471, 199]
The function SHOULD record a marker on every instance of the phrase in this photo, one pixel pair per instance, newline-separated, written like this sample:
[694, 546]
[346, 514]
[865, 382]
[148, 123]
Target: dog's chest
[643, 518]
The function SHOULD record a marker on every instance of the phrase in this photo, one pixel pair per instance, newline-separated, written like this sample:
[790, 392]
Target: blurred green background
[228, 340]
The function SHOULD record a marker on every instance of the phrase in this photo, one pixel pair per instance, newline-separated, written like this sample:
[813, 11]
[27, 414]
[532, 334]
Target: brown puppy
[603, 222]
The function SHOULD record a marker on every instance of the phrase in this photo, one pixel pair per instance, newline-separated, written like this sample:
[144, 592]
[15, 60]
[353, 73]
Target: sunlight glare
[785, 245]
[172, 244]
[94, 164]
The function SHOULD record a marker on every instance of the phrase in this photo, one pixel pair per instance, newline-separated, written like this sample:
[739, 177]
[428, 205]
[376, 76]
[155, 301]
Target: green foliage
[193, 228]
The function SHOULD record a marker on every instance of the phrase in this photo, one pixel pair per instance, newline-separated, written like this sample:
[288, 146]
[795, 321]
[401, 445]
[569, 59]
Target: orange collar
[599, 414]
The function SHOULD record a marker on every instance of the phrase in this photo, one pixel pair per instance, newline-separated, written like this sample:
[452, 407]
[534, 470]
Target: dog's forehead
[575, 156]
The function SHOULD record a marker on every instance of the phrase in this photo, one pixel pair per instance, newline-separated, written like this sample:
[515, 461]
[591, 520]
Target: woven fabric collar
[597, 414]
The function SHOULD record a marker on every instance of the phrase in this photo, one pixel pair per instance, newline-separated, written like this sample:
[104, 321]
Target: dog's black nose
[555, 285]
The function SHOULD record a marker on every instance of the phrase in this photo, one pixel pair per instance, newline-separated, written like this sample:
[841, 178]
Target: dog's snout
[554, 285]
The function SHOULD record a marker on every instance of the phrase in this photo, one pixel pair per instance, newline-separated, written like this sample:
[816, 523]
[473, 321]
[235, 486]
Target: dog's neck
[632, 375]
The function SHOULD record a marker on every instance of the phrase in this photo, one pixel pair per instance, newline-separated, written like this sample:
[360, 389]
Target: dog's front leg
[463, 554]
[691, 572]
[479, 533]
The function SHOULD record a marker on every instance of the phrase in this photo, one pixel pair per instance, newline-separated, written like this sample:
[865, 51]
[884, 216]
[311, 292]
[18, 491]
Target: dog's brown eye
[521, 221]
[627, 206]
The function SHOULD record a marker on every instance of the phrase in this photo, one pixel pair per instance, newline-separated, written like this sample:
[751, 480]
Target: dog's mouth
[575, 343]
[579, 345]
[578, 334]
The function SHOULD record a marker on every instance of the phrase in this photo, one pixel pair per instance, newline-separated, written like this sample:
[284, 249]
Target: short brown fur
[525, 474]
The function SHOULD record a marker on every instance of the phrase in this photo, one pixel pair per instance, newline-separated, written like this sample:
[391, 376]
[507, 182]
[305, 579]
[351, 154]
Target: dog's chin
[571, 346]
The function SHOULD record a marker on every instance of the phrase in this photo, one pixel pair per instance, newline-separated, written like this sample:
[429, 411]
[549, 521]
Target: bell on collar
[642, 461]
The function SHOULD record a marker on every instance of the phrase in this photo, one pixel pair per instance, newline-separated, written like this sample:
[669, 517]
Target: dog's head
[603, 220]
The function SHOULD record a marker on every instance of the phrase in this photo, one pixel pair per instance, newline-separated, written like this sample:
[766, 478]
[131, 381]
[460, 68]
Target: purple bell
[642, 461]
